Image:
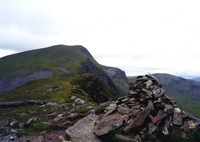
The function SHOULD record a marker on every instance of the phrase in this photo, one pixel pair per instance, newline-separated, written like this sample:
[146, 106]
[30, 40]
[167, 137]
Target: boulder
[82, 131]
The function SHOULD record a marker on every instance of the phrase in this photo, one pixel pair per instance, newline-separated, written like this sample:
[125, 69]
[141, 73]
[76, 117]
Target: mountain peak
[54, 61]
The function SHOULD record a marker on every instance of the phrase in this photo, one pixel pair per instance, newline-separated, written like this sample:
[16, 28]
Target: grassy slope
[97, 90]
[60, 90]
[57, 90]
[42, 59]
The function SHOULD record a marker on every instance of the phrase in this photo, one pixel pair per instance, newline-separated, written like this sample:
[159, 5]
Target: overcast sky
[138, 36]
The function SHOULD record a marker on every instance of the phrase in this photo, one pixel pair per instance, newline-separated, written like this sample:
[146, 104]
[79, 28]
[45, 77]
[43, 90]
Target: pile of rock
[145, 110]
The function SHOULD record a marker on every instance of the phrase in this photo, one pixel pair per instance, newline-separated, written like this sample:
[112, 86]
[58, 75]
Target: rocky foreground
[144, 113]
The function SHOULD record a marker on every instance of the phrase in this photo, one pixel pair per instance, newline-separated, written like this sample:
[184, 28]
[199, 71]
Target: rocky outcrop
[146, 110]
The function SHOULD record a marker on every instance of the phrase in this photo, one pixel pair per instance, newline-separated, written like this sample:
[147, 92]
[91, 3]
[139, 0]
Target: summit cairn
[145, 110]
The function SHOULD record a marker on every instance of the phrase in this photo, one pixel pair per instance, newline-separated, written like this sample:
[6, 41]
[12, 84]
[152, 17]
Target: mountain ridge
[57, 60]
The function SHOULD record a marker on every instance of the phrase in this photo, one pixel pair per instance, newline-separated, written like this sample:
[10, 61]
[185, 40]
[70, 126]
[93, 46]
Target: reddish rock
[139, 119]
[158, 117]
[108, 123]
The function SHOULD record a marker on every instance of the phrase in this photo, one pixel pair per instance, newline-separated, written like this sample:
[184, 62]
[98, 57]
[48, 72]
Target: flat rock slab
[108, 123]
[82, 130]
[140, 118]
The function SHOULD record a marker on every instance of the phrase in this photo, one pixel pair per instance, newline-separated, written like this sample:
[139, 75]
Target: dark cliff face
[119, 78]
[89, 67]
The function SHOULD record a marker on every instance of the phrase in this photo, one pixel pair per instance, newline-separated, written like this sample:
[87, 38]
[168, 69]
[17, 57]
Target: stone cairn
[145, 110]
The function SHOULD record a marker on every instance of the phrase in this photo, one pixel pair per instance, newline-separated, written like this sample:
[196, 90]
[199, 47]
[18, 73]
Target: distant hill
[55, 61]
[185, 92]
[179, 85]
[196, 79]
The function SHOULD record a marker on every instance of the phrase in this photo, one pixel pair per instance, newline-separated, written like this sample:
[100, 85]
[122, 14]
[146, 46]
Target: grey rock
[13, 122]
[72, 115]
[21, 125]
[169, 109]
[59, 117]
[31, 120]
[167, 124]
[123, 109]
[123, 138]
[111, 108]
[73, 98]
[31, 139]
[158, 92]
[105, 104]
[21, 103]
[177, 118]
[79, 101]
[152, 128]
[148, 84]
[51, 104]
[134, 112]
[82, 131]
[9, 138]
[165, 130]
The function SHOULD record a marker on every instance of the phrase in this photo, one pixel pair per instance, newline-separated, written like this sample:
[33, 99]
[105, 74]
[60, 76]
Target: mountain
[179, 85]
[185, 92]
[196, 79]
[56, 61]
[44, 91]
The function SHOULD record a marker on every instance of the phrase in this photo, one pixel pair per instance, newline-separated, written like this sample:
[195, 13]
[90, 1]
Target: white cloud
[137, 36]
[6, 52]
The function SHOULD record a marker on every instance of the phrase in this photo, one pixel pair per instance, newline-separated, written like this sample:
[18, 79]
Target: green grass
[50, 89]
[97, 90]
[121, 89]
[68, 57]
[187, 104]
[87, 87]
